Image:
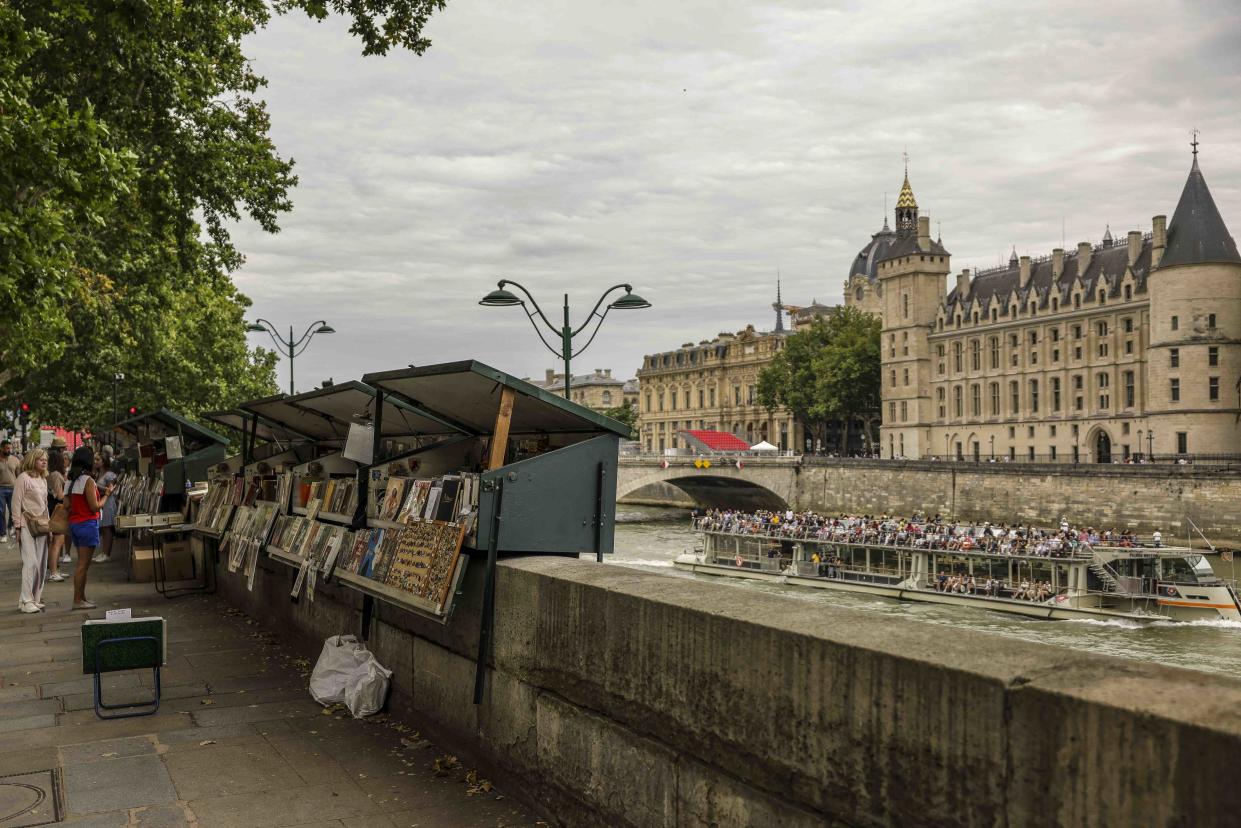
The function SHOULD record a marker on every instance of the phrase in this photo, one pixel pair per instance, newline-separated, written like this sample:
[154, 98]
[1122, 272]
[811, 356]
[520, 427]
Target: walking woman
[85, 501]
[57, 463]
[30, 506]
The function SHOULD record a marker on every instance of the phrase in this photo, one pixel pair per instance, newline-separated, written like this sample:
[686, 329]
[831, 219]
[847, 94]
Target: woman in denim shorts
[85, 502]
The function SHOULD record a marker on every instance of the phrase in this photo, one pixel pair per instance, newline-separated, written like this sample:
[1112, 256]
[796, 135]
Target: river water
[650, 537]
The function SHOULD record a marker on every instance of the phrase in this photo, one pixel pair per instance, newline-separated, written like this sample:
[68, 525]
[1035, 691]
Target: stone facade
[598, 390]
[1108, 352]
[712, 385]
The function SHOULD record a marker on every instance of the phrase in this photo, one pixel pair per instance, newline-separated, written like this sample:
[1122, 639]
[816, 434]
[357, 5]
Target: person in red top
[85, 502]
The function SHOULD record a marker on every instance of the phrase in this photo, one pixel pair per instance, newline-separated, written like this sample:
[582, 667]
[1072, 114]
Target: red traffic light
[25, 408]
[133, 409]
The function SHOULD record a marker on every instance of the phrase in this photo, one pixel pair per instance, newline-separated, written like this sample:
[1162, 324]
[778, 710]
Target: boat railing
[910, 542]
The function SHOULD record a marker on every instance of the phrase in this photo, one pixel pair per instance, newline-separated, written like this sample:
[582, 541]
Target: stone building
[1114, 350]
[713, 386]
[598, 390]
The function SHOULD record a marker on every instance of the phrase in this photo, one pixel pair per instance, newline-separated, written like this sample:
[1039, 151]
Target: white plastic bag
[347, 672]
[365, 693]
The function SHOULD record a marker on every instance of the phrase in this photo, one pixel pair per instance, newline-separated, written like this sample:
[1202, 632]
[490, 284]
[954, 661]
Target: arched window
[905, 304]
[975, 354]
[956, 356]
[976, 400]
[857, 294]
[607, 397]
[995, 351]
[956, 401]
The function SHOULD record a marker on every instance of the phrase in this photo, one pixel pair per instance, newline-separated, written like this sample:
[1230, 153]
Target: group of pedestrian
[31, 489]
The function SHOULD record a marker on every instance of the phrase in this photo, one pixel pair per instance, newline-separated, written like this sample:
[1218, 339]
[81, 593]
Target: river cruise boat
[1047, 580]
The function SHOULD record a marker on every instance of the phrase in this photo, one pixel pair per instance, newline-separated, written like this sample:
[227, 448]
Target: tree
[828, 373]
[627, 414]
[131, 136]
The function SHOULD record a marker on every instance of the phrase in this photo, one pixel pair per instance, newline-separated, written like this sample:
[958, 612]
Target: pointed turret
[778, 307]
[1108, 241]
[906, 210]
[1012, 260]
[1198, 234]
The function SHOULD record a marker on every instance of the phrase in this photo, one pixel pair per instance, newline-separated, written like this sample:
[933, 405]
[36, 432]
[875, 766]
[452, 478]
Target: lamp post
[993, 448]
[1150, 436]
[291, 347]
[500, 298]
[117, 378]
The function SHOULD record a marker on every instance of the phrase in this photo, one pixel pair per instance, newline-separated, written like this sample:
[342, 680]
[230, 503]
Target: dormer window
[1102, 297]
[1055, 303]
[1128, 292]
[1077, 300]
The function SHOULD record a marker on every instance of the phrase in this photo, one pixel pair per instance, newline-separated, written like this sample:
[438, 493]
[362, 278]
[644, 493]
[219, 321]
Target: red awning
[719, 440]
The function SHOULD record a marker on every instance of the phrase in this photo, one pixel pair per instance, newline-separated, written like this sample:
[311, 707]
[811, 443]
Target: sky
[696, 149]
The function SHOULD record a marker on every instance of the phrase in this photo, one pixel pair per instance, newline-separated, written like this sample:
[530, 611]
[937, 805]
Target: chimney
[1057, 263]
[607, 372]
[1159, 239]
[924, 233]
[1025, 272]
[1084, 251]
[963, 284]
[1135, 246]
[550, 376]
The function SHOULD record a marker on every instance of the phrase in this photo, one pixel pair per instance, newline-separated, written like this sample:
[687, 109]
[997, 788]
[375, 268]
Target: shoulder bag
[37, 526]
[58, 523]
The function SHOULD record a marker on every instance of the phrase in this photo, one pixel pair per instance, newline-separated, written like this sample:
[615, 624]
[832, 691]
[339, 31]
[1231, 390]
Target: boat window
[1190, 569]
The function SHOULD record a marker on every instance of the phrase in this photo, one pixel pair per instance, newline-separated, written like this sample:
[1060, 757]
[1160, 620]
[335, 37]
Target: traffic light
[133, 410]
[24, 412]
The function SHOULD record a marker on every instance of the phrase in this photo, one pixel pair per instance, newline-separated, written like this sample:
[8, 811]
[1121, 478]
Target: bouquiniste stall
[409, 473]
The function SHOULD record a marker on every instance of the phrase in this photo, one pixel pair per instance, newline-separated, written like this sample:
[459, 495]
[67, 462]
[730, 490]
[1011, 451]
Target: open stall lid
[468, 394]
[324, 415]
[161, 423]
[265, 430]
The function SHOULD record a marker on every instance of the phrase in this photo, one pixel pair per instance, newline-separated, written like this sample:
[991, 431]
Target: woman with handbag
[57, 463]
[30, 521]
[85, 501]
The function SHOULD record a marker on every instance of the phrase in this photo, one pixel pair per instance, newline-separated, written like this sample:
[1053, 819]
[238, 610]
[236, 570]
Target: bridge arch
[723, 486]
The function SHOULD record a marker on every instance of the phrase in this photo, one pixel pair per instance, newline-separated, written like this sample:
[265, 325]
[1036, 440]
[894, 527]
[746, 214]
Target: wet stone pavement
[237, 740]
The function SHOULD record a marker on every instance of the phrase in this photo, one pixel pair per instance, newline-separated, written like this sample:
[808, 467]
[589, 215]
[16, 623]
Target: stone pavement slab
[237, 740]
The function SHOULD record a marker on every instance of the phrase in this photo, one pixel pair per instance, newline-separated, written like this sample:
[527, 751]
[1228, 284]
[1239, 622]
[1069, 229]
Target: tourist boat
[1136, 583]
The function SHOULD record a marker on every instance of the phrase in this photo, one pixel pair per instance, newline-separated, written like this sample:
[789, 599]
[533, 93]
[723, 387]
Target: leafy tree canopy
[626, 413]
[827, 372]
[132, 135]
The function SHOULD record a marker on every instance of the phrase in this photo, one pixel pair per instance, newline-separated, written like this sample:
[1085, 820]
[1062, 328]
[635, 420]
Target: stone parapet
[623, 698]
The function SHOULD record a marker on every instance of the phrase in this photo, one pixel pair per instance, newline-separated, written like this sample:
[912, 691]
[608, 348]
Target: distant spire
[779, 305]
[939, 232]
[1107, 236]
[1012, 260]
[906, 206]
[1194, 143]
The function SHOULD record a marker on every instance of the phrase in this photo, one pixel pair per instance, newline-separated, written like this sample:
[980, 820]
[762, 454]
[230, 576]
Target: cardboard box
[178, 563]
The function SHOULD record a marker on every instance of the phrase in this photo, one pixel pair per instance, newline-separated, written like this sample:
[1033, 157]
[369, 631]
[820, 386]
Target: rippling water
[649, 538]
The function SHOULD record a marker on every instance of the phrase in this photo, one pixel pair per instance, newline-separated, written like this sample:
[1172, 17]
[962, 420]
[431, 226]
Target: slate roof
[1197, 233]
[1107, 267]
[867, 260]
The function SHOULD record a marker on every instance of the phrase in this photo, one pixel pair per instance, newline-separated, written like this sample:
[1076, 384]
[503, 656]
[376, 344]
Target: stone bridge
[725, 482]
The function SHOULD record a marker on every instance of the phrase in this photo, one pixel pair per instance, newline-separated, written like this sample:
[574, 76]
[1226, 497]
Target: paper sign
[172, 447]
[360, 444]
[119, 615]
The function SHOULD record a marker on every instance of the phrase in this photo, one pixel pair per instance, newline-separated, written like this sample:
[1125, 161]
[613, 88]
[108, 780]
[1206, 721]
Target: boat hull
[1024, 608]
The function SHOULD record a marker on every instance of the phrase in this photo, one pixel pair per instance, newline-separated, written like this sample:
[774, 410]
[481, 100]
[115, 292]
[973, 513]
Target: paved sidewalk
[237, 741]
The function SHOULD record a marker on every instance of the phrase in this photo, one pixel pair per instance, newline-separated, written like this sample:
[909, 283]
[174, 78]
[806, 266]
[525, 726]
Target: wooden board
[426, 557]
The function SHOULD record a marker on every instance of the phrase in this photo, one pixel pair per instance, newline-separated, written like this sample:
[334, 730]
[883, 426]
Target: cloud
[691, 149]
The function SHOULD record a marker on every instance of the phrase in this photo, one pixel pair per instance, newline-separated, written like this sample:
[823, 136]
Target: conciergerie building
[1115, 350]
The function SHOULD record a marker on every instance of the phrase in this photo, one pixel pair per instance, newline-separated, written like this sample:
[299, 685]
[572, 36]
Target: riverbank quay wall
[1142, 498]
[617, 697]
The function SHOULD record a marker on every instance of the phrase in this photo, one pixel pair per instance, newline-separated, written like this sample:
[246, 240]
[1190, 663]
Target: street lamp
[1150, 435]
[993, 448]
[117, 378]
[502, 298]
[290, 348]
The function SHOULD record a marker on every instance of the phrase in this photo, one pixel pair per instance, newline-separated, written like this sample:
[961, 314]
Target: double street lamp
[500, 297]
[291, 347]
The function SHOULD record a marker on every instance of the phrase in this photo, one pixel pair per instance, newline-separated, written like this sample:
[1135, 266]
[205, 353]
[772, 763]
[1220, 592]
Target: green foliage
[131, 137]
[626, 413]
[827, 372]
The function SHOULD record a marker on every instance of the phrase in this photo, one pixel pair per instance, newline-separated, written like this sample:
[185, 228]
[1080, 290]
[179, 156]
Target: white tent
[764, 446]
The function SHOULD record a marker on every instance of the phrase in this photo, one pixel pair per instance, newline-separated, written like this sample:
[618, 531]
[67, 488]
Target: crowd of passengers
[919, 532]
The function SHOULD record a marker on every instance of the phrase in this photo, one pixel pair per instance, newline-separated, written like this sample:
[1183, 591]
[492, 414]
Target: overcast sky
[694, 148]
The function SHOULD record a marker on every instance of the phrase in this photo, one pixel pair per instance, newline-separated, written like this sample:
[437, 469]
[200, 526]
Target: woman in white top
[30, 502]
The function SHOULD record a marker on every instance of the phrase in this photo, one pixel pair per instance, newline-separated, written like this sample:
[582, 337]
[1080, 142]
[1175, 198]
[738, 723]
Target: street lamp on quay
[500, 298]
[291, 347]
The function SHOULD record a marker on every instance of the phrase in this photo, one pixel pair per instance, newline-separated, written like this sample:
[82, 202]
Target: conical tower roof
[1197, 233]
[906, 198]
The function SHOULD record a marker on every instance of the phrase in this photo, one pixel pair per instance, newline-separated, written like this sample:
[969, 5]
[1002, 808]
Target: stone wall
[1143, 498]
[623, 698]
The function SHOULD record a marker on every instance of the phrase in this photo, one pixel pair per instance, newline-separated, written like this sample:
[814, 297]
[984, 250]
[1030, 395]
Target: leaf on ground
[109, 755]
[444, 765]
[207, 701]
[206, 742]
